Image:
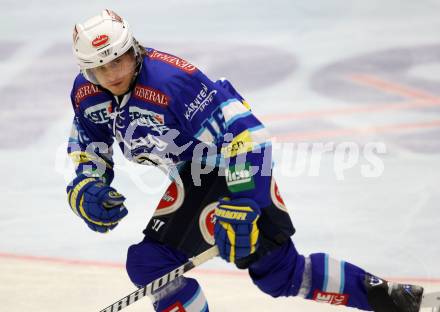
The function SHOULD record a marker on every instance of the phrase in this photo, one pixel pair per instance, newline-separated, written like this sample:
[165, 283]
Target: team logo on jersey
[174, 61]
[206, 223]
[147, 118]
[151, 95]
[239, 178]
[331, 298]
[151, 149]
[171, 200]
[85, 91]
[100, 41]
[276, 196]
[145, 158]
[149, 141]
[200, 102]
[148, 149]
[99, 113]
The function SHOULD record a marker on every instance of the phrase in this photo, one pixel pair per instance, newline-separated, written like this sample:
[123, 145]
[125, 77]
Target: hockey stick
[149, 289]
[430, 300]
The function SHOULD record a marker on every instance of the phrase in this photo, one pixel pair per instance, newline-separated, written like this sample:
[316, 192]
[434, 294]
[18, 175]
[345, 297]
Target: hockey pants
[283, 272]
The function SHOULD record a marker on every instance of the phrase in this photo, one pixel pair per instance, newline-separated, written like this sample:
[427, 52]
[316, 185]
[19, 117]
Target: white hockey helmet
[100, 40]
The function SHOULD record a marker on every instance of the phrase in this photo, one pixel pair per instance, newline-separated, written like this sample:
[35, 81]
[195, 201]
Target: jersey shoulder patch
[84, 91]
[90, 101]
[172, 60]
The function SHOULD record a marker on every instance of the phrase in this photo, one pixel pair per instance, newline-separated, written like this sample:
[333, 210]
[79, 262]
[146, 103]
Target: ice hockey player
[164, 111]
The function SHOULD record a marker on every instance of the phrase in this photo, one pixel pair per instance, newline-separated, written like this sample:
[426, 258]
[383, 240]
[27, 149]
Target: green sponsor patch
[239, 178]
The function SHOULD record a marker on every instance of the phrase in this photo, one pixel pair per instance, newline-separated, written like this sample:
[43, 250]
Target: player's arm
[90, 150]
[216, 114]
[90, 195]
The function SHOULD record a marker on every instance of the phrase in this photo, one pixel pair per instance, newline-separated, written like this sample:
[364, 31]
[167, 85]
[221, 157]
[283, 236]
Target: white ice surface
[388, 225]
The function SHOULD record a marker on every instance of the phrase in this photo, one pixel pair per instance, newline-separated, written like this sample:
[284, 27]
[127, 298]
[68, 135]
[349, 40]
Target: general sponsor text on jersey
[151, 95]
[174, 61]
[85, 91]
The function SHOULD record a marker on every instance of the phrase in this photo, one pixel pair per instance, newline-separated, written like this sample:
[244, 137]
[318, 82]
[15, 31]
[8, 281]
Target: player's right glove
[235, 231]
[98, 204]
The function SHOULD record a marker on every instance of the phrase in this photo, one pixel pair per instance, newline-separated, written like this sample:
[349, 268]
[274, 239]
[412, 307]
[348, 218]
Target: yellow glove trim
[84, 214]
[80, 157]
[239, 208]
[73, 194]
[254, 236]
[231, 236]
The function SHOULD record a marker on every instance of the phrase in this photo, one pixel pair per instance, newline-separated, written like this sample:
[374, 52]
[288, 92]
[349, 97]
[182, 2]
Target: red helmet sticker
[276, 196]
[207, 221]
[171, 200]
[100, 40]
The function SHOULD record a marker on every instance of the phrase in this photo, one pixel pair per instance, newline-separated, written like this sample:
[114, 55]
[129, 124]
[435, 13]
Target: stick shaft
[155, 285]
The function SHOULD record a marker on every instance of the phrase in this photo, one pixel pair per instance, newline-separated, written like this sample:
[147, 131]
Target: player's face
[117, 75]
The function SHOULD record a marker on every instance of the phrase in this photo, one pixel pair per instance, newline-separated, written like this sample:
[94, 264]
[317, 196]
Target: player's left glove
[236, 232]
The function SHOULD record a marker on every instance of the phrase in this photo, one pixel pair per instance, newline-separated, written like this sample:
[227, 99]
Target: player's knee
[133, 270]
[276, 273]
[150, 260]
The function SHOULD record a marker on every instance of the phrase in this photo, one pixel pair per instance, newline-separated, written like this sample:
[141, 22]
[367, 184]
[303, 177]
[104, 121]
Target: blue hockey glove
[236, 232]
[98, 204]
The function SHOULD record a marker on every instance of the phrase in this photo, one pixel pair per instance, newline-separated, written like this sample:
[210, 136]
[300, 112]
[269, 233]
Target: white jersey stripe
[197, 303]
[334, 275]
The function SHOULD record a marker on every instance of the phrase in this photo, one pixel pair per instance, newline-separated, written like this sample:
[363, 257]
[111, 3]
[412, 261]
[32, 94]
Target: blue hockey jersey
[173, 114]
